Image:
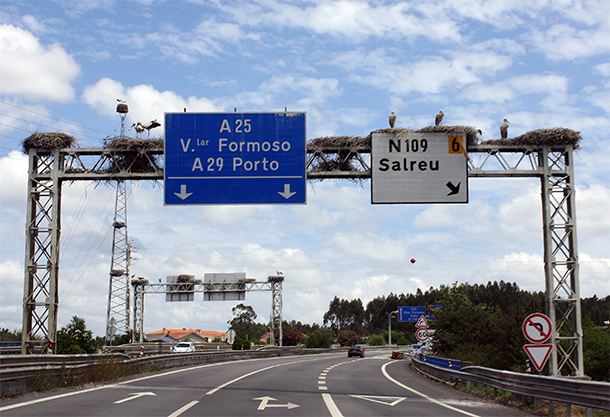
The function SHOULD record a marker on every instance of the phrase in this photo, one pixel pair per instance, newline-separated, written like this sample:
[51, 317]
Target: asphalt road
[313, 385]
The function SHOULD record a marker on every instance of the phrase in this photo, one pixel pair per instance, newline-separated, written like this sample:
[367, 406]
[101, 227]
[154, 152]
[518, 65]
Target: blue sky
[348, 64]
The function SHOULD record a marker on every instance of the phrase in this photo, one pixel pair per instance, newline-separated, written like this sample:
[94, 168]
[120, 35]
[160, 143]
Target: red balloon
[412, 260]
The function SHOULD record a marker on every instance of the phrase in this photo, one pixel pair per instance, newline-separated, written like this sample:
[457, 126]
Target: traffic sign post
[418, 168]
[537, 328]
[235, 158]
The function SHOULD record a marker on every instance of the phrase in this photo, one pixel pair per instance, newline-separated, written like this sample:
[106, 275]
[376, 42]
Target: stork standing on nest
[150, 125]
[138, 128]
[439, 118]
[392, 119]
[504, 129]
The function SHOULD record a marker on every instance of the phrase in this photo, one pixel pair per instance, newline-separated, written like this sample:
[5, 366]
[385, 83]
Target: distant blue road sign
[235, 158]
[407, 314]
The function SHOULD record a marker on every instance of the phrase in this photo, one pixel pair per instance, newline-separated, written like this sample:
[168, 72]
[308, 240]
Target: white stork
[138, 128]
[504, 129]
[439, 118]
[392, 119]
[150, 125]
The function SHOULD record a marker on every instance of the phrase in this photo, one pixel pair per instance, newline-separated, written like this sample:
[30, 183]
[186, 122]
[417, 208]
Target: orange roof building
[186, 335]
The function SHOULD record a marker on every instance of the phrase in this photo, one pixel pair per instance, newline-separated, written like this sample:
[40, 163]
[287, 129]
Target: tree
[243, 321]
[75, 338]
[345, 315]
[320, 338]
[6, 335]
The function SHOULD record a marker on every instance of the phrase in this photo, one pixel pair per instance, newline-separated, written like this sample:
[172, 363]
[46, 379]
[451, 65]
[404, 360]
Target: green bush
[403, 341]
[240, 344]
[376, 340]
[320, 338]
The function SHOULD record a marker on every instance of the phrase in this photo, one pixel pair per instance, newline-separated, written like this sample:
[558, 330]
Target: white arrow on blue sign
[235, 158]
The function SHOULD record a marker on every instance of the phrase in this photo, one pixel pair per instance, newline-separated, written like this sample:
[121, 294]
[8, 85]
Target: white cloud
[349, 20]
[144, 101]
[32, 70]
[563, 42]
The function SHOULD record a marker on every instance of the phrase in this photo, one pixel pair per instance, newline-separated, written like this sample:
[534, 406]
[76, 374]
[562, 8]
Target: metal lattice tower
[117, 318]
[552, 164]
[43, 228]
[561, 262]
[276, 309]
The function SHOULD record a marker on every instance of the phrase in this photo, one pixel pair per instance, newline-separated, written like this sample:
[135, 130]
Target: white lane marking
[332, 407]
[265, 403]
[54, 397]
[421, 394]
[391, 401]
[183, 409]
[134, 395]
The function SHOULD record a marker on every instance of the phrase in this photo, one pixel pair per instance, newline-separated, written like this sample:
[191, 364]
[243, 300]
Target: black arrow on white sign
[454, 188]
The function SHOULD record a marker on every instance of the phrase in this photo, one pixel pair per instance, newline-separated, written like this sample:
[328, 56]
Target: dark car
[355, 351]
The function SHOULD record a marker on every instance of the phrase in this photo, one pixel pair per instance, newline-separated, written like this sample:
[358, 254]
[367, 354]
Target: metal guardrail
[588, 394]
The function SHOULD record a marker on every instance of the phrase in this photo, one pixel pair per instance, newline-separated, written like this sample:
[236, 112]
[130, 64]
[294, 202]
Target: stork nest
[140, 281]
[554, 136]
[188, 279]
[344, 147]
[131, 154]
[47, 141]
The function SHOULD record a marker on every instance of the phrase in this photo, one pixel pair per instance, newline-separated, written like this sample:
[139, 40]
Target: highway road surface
[312, 385]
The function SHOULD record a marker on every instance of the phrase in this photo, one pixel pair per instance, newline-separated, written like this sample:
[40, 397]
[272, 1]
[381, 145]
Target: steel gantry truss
[274, 284]
[553, 164]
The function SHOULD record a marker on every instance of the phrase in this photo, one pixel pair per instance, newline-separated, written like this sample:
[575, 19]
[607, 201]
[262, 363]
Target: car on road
[355, 351]
[183, 347]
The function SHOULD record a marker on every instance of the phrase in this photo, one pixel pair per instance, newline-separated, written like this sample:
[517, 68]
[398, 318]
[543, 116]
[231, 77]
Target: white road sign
[419, 168]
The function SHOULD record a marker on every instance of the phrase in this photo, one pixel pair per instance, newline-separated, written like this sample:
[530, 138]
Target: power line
[53, 118]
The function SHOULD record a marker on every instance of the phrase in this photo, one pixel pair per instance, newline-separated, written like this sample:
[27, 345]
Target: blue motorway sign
[235, 158]
[406, 314]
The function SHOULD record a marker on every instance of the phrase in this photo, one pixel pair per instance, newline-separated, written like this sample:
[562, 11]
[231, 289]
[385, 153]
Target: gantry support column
[40, 294]
[276, 309]
[561, 261]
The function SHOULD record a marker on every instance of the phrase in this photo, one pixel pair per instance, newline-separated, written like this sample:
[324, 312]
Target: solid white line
[421, 394]
[183, 409]
[54, 397]
[332, 407]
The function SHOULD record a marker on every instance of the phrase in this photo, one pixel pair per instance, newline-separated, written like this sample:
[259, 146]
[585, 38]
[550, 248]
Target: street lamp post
[390, 325]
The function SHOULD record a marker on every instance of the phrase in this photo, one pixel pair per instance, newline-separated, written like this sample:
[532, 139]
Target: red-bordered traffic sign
[422, 322]
[538, 354]
[422, 334]
[537, 328]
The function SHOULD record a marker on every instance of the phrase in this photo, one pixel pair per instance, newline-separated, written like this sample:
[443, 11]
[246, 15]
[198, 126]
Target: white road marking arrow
[183, 194]
[265, 403]
[391, 401]
[286, 194]
[134, 396]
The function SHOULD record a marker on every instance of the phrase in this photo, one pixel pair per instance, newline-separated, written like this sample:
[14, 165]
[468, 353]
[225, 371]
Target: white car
[183, 347]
